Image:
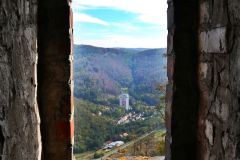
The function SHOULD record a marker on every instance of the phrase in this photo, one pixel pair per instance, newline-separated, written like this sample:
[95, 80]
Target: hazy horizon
[120, 47]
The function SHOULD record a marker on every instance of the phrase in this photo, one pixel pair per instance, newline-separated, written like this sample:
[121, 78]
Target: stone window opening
[202, 113]
[85, 46]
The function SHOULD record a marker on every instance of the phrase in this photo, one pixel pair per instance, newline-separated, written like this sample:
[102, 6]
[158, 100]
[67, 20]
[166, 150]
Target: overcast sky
[121, 23]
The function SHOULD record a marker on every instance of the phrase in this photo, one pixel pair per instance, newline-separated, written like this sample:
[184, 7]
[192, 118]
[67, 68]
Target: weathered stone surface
[209, 132]
[217, 60]
[203, 94]
[203, 69]
[213, 14]
[234, 11]
[213, 41]
[19, 117]
[219, 89]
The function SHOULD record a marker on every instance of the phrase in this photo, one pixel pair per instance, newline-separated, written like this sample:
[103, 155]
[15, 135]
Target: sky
[120, 23]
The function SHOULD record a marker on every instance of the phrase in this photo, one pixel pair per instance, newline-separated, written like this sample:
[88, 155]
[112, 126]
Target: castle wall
[19, 116]
[219, 80]
[203, 97]
[203, 104]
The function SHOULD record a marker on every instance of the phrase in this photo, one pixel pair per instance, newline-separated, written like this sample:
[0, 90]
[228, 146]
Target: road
[106, 155]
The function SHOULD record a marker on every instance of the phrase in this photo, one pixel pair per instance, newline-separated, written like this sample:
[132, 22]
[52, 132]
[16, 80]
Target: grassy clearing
[85, 156]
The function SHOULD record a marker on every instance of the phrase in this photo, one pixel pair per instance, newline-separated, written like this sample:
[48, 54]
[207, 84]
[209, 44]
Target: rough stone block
[170, 67]
[213, 41]
[213, 14]
[170, 43]
[209, 131]
[203, 69]
[170, 15]
[204, 12]
[234, 11]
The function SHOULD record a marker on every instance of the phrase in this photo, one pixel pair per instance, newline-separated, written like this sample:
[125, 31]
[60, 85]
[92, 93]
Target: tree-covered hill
[100, 73]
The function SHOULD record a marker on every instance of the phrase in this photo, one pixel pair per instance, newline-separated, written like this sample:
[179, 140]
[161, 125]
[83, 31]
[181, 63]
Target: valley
[100, 75]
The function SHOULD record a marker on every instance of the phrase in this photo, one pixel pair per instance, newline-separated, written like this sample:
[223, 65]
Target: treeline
[100, 73]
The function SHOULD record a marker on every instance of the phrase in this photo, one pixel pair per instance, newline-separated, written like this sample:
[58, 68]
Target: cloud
[81, 17]
[126, 41]
[148, 11]
[153, 19]
[125, 26]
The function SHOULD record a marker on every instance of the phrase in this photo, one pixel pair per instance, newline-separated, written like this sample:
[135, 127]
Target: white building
[124, 101]
[113, 145]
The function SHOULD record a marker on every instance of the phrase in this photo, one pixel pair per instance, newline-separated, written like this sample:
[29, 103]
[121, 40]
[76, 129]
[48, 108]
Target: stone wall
[204, 80]
[19, 120]
[219, 80]
[203, 95]
[34, 32]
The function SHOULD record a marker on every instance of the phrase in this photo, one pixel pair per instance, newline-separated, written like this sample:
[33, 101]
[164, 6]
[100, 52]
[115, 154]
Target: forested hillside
[100, 73]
